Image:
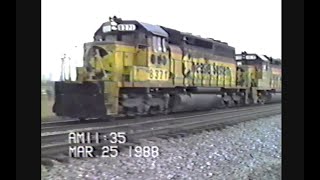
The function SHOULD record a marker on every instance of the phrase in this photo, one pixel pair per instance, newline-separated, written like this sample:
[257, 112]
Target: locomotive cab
[257, 69]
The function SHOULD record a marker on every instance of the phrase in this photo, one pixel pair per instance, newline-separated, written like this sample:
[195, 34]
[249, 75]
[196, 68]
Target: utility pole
[62, 75]
[69, 73]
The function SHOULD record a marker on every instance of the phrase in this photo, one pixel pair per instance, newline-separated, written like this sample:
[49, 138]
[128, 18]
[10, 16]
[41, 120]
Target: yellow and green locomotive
[135, 68]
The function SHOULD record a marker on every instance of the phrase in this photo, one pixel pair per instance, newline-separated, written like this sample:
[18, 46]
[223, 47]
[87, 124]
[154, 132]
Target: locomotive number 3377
[158, 74]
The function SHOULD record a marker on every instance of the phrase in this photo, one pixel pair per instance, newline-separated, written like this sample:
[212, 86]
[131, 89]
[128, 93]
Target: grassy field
[46, 107]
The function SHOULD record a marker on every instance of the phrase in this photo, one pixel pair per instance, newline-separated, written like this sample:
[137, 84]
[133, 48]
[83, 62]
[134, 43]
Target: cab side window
[164, 44]
[159, 44]
[154, 44]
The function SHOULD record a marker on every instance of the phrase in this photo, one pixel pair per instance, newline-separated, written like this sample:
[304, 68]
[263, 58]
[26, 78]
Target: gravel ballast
[250, 150]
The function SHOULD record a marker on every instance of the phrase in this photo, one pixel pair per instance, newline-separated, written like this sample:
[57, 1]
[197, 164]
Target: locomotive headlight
[113, 23]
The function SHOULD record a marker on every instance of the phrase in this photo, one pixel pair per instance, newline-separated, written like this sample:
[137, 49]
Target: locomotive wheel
[153, 110]
[131, 112]
[231, 103]
[228, 101]
[222, 105]
[237, 103]
[261, 101]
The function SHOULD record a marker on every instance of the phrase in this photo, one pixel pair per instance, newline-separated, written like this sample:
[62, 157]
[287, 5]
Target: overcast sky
[248, 25]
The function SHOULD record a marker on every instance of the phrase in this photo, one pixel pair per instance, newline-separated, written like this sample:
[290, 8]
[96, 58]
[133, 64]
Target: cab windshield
[117, 36]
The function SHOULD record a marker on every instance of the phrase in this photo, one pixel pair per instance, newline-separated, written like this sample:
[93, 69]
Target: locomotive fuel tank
[191, 102]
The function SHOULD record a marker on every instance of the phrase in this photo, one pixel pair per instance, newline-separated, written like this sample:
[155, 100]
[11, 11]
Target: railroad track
[57, 142]
[56, 124]
[67, 124]
[64, 125]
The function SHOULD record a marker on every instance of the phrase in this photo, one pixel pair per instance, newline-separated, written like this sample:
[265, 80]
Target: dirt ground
[46, 107]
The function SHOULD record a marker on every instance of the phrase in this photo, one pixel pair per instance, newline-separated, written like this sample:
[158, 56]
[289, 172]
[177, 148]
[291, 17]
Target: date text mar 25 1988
[112, 151]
